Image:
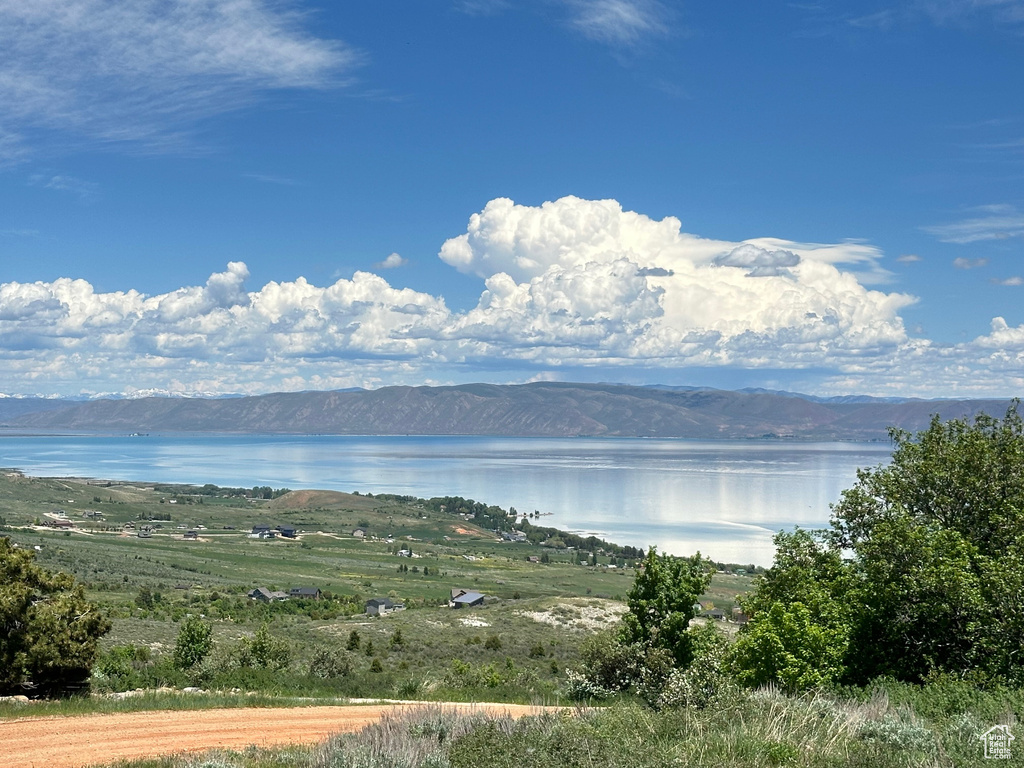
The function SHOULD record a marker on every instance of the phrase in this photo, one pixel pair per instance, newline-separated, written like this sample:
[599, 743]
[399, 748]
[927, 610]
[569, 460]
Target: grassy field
[454, 552]
[515, 647]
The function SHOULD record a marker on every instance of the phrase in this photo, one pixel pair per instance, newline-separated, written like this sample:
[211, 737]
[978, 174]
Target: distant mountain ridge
[541, 409]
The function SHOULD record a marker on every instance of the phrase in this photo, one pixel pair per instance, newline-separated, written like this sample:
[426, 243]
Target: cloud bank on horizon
[571, 285]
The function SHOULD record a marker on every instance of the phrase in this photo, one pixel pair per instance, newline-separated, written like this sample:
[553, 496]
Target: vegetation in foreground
[893, 726]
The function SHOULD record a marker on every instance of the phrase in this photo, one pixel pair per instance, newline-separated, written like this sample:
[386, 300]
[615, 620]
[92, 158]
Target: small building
[306, 593]
[191, 535]
[264, 595]
[145, 532]
[258, 529]
[288, 531]
[465, 599]
[716, 613]
[533, 559]
[380, 606]
[62, 523]
[359, 533]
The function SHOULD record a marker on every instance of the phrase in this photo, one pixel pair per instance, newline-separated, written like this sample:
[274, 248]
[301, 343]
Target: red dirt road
[87, 740]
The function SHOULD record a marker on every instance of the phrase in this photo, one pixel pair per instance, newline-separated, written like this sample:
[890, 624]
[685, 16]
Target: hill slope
[531, 410]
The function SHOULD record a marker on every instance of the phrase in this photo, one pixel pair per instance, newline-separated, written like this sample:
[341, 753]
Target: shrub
[493, 643]
[195, 639]
[262, 651]
[328, 662]
[581, 687]
[784, 646]
[704, 681]
[609, 664]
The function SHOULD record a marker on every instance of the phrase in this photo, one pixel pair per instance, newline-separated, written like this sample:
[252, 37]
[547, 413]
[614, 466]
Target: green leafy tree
[932, 577]
[937, 536]
[146, 598]
[48, 630]
[195, 640]
[661, 603]
[786, 647]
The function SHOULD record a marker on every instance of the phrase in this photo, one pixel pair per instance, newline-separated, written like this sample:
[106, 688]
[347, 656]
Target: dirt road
[86, 740]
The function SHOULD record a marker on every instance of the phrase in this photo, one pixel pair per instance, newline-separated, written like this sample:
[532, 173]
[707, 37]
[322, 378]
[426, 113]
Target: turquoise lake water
[725, 498]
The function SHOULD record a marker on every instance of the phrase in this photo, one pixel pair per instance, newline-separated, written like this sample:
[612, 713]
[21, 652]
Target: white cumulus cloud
[393, 261]
[568, 284]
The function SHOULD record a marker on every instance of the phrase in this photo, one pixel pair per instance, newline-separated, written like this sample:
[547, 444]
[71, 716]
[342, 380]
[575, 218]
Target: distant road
[89, 740]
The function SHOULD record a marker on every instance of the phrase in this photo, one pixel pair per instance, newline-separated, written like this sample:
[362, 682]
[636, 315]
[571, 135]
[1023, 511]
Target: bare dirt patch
[88, 740]
[581, 615]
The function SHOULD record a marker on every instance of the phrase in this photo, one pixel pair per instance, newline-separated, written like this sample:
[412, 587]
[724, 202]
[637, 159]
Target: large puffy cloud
[569, 284]
[767, 302]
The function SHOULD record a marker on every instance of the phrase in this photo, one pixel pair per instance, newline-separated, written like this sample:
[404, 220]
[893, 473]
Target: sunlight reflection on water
[725, 498]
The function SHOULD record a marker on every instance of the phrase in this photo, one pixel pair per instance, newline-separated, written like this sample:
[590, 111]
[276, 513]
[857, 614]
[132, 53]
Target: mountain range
[542, 409]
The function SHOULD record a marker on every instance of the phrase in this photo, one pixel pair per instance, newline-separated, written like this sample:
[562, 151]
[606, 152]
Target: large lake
[725, 498]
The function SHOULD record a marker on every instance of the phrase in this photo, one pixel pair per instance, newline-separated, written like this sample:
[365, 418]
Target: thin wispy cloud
[964, 263]
[1002, 222]
[271, 179]
[1009, 12]
[482, 7]
[822, 19]
[1015, 280]
[83, 190]
[621, 23]
[908, 258]
[880, 20]
[144, 72]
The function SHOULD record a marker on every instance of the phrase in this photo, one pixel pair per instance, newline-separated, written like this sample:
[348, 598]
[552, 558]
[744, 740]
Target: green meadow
[515, 647]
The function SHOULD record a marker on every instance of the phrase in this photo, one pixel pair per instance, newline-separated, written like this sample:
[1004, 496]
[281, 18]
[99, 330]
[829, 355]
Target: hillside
[529, 410]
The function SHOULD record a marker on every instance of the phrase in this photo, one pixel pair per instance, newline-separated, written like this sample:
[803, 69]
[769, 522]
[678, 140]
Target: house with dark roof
[306, 593]
[462, 598]
[380, 606]
[264, 595]
[288, 531]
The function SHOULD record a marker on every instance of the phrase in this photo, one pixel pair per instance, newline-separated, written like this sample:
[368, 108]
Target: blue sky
[212, 196]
